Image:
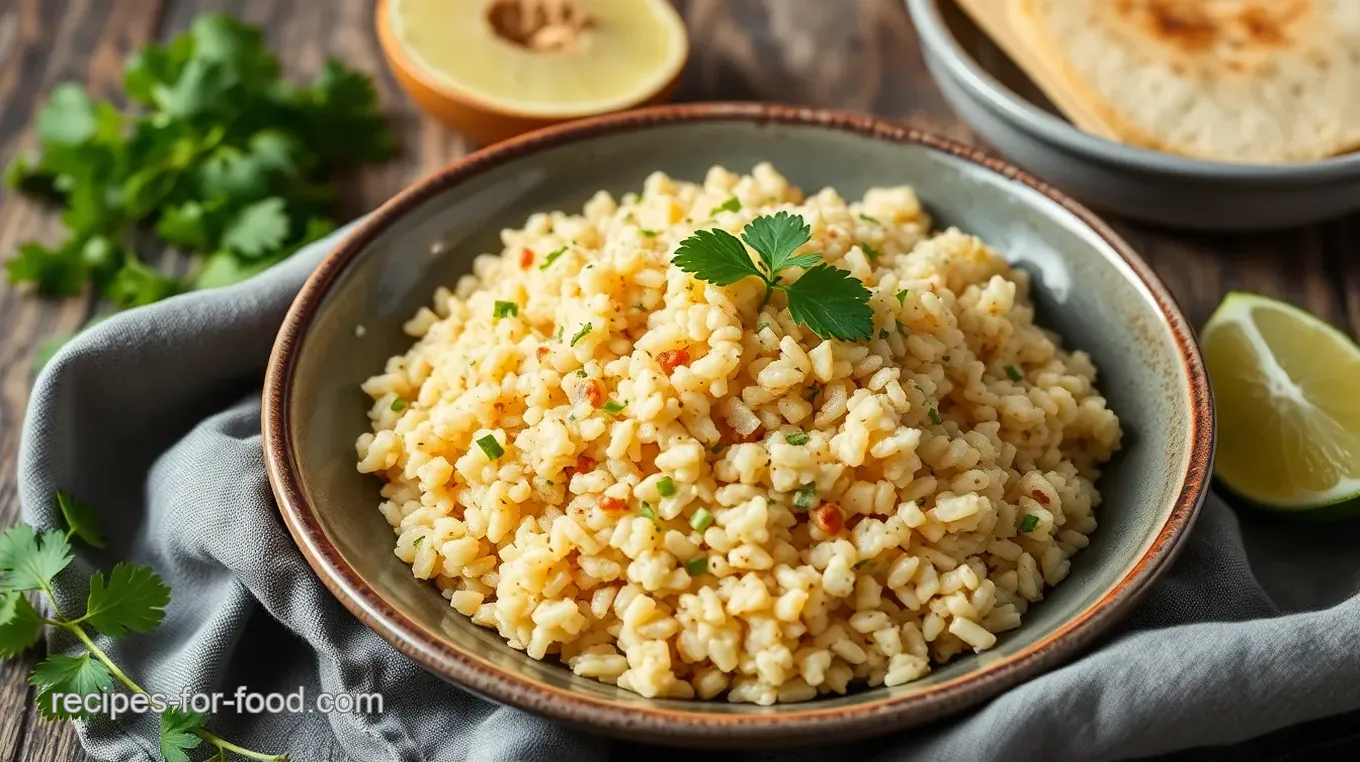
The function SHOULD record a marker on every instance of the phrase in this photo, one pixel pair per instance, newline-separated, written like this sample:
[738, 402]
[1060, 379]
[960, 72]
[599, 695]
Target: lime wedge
[1287, 394]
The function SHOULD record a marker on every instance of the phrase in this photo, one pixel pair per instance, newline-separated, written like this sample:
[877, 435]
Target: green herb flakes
[491, 447]
[613, 407]
[1013, 373]
[505, 309]
[867, 218]
[552, 257]
[665, 487]
[902, 296]
[648, 233]
[647, 513]
[883, 333]
[398, 404]
[697, 566]
[1029, 522]
[701, 520]
[797, 438]
[934, 415]
[805, 497]
[869, 250]
[581, 334]
[732, 204]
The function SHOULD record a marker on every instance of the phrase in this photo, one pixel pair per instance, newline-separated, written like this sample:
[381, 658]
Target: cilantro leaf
[69, 116]
[177, 733]
[81, 520]
[136, 284]
[29, 561]
[56, 271]
[775, 238]
[19, 624]
[59, 675]
[185, 226]
[732, 204]
[715, 256]
[134, 598]
[832, 303]
[258, 230]
[226, 269]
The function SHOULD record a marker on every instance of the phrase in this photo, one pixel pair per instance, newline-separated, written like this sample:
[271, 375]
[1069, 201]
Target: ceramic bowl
[1088, 285]
[1007, 110]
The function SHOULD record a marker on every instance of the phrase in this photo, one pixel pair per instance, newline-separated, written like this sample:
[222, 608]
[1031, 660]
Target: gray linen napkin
[153, 417]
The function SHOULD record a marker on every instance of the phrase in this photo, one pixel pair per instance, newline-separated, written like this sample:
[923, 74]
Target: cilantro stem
[73, 626]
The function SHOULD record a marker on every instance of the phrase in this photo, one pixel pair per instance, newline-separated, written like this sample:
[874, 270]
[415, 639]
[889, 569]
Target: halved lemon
[495, 68]
[1287, 395]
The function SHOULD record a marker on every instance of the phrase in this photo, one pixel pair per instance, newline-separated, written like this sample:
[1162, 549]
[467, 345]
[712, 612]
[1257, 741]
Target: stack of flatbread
[1254, 81]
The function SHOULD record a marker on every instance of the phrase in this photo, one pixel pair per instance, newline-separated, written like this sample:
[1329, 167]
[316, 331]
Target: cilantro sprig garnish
[131, 598]
[826, 300]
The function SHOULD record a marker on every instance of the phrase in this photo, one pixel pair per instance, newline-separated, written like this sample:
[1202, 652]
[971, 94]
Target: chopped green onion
[581, 373]
[558, 335]
[581, 334]
[811, 392]
[860, 563]
[730, 205]
[701, 520]
[613, 407]
[761, 326]
[935, 417]
[552, 257]
[398, 405]
[416, 543]
[647, 512]
[902, 327]
[665, 487]
[806, 496]
[1029, 522]
[639, 308]
[920, 501]
[902, 296]
[717, 448]
[697, 566]
[491, 447]
[648, 233]
[867, 218]
[505, 309]
[869, 250]
[797, 438]
[883, 333]
[1013, 373]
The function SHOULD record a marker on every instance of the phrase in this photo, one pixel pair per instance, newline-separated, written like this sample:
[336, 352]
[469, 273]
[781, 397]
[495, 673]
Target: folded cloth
[153, 418]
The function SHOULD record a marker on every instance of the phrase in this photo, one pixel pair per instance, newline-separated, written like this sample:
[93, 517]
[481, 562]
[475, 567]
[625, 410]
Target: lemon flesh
[631, 50]
[1287, 396]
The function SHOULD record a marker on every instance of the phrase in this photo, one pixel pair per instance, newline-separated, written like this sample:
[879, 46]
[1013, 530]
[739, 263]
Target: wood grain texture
[852, 54]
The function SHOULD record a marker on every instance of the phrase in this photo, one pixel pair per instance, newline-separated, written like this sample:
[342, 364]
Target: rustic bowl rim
[793, 723]
[939, 41]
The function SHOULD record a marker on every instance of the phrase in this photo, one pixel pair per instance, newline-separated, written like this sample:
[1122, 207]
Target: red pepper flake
[613, 504]
[584, 464]
[542, 352]
[829, 518]
[1039, 496]
[526, 258]
[594, 393]
[671, 359]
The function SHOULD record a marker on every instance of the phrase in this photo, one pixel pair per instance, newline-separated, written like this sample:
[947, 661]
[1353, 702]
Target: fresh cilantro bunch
[827, 300]
[223, 159]
[130, 598]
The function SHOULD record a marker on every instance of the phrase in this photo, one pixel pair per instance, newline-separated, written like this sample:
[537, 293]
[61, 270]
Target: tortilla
[1255, 81]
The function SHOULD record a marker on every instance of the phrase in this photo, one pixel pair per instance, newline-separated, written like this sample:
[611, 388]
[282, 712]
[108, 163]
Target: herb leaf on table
[222, 159]
[131, 598]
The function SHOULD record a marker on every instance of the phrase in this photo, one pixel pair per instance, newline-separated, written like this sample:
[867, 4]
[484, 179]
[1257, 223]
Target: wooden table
[845, 53]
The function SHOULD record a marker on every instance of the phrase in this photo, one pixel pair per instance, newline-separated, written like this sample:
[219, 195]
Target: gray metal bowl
[1006, 110]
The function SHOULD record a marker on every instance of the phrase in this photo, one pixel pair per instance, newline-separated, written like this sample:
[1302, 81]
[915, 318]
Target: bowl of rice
[736, 425]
